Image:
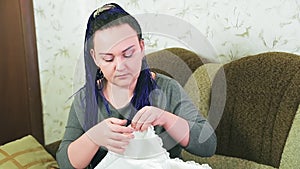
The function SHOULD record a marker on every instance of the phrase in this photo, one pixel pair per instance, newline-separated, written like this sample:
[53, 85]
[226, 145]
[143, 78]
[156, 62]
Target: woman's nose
[120, 63]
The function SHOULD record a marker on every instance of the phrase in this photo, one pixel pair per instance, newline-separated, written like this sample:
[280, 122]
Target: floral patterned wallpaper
[224, 30]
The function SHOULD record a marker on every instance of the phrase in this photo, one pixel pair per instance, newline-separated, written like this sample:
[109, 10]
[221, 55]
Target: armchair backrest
[262, 97]
[198, 86]
[178, 63]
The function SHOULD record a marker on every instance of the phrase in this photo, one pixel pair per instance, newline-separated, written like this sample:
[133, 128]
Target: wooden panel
[20, 101]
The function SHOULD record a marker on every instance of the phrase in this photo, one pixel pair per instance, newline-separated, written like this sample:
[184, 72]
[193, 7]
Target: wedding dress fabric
[145, 151]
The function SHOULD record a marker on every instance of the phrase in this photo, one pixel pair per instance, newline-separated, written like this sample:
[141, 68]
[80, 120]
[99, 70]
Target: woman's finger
[122, 136]
[119, 150]
[117, 126]
[121, 129]
[118, 143]
[145, 126]
[137, 117]
[118, 121]
[143, 119]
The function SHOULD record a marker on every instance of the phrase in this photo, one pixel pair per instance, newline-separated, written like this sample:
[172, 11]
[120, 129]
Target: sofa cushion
[225, 162]
[26, 152]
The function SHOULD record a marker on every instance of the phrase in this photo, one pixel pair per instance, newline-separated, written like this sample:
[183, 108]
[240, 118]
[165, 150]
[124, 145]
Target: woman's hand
[148, 116]
[176, 126]
[112, 134]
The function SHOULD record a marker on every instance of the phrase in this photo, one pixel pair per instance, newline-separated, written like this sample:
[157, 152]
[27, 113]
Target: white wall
[225, 30]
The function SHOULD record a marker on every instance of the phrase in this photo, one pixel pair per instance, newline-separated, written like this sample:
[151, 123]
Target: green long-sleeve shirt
[170, 97]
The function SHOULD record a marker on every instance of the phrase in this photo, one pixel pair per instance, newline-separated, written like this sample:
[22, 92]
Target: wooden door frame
[31, 59]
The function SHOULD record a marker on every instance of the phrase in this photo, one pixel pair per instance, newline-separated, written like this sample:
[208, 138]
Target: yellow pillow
[27, 153]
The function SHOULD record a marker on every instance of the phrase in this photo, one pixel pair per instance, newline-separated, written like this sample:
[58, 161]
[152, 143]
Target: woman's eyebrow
[113, 54]
[128, 48]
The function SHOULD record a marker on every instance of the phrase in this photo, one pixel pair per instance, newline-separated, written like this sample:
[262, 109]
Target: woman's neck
[118, 96]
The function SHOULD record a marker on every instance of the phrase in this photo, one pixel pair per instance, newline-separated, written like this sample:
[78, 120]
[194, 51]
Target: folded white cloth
[145, 151]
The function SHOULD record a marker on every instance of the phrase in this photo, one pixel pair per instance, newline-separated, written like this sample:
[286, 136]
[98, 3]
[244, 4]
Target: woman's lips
[121, 76]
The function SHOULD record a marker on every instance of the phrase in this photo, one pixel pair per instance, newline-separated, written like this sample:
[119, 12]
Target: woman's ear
[142, 45]
[93, 55]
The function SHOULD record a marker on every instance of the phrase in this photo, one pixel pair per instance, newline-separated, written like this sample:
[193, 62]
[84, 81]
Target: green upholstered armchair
[260, 124]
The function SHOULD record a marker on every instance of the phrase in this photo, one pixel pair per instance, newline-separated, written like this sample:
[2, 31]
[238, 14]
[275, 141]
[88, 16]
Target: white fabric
[145, 151]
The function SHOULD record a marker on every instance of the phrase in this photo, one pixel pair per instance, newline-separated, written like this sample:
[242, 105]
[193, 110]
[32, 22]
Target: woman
[121, 96]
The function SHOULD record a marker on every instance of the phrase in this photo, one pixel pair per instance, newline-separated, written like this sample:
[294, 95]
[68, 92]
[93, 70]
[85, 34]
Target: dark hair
[108, 16]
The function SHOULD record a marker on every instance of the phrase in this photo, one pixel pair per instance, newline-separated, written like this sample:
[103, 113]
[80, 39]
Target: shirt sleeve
[202, 140]
[73, 131]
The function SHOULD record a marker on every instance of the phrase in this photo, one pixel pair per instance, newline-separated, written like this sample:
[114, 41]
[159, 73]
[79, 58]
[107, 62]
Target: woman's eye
[128, 53]
[108, 58]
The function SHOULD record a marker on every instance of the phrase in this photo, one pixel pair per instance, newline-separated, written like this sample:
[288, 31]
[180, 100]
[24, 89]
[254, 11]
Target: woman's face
[118, 53]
